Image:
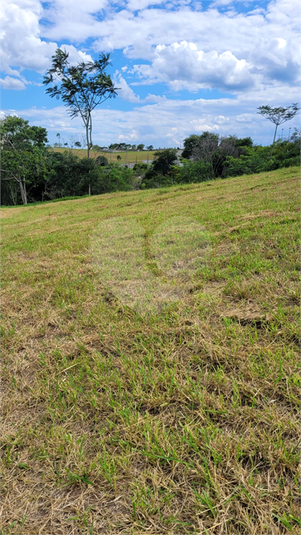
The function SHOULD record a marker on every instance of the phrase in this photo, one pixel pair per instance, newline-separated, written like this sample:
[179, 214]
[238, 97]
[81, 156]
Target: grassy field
[125, 157]
[150, 361]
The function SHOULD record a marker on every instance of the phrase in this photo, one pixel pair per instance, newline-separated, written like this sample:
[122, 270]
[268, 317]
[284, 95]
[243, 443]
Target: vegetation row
[33, 172]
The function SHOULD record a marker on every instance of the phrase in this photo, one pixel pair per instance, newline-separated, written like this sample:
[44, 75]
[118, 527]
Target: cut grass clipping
[150, 361]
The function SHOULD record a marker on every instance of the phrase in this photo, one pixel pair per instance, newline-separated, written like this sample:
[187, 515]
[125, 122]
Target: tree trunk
[87, 140]
[89, 143]
[273, 140]
[12, 192]
[23, 190]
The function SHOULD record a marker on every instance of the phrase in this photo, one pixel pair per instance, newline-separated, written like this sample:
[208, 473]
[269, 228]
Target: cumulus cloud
[255, 40]
[182, 65]
[21, 46]
[277, 59]
[153, 31]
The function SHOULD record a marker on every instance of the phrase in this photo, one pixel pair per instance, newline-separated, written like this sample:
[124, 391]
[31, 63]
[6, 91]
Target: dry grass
[159, 392]
[134, 156]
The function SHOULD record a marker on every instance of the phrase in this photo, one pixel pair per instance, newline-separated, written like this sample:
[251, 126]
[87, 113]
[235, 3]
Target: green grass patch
[124, 157]
[150, 361]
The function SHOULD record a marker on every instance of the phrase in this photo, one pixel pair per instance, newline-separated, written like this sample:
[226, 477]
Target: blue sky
[182, 66]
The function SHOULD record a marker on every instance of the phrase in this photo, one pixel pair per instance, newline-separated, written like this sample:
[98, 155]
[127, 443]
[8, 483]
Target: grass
[150, 361]
[137, 156]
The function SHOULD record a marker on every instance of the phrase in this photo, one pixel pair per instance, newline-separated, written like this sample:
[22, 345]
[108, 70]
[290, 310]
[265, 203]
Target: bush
[113, 178]
[140, 167]
[199, 171]
[101, 160]
[257, 159]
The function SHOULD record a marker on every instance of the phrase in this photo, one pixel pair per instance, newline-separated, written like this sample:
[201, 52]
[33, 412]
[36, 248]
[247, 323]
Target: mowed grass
[180, 418]
[124, 157]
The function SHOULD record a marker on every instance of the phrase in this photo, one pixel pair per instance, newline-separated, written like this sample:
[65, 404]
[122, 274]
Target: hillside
[150, 361]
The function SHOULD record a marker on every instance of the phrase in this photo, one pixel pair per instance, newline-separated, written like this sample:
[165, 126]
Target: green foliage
[257, 159]
[189, 144]
[68, 175]
[160, 172]
[214, 150]
[17, 132]
[101, 160]
[31, 172]
[195, 172]
[164, 161]
[113, 178]
[140, 167]
[22, 158]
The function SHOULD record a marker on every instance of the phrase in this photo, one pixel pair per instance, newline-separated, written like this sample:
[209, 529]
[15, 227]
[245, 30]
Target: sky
[182, 66]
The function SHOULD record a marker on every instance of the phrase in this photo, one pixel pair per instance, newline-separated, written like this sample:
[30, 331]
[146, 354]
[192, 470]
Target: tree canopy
[22, 155]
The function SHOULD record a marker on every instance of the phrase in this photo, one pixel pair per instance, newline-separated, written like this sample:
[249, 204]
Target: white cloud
[12, 83]
[73, 19]
[277, 59]
[135, 5]
[256, 38]
[21, 45]
[210, 29]
[125, 91]
[75, 55]
[266, 39]
[182, 65]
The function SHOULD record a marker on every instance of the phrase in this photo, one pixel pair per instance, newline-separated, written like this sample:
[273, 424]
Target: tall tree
[278, 115]
[22, 153]
[82, 87]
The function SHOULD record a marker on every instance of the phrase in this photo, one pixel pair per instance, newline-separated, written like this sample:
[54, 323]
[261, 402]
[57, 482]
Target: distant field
[126, 157]
[150, 361]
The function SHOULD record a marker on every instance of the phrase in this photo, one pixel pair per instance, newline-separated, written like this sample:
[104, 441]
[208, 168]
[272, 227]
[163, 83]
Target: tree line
[209, 156]
[31, 171]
